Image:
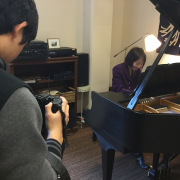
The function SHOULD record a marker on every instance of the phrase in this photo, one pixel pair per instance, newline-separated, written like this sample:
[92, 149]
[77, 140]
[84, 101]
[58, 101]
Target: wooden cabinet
[41, 69]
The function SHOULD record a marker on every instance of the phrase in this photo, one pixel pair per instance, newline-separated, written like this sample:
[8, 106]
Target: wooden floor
[83, 160]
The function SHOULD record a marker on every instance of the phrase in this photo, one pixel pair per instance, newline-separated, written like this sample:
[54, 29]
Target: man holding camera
[23, 151]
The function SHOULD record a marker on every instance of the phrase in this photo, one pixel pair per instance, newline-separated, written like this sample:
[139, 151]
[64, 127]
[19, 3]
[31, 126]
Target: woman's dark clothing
[122, 81]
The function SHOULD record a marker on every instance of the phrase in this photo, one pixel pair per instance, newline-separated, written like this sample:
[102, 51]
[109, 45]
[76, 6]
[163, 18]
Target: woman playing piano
[127, 74]
[126, 77]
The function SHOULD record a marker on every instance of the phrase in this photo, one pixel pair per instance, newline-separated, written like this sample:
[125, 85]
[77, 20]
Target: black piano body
[145, 128]
[126, 130]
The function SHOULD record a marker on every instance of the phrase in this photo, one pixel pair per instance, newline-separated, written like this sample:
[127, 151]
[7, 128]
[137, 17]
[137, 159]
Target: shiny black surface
[126, 129]
[170, 9]
[164, 80]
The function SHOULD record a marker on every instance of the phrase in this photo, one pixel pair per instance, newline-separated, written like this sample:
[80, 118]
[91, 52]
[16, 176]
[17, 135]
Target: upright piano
[147, 120]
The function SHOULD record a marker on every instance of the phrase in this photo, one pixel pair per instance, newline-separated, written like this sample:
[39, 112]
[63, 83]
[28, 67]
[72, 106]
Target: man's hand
[54, 121]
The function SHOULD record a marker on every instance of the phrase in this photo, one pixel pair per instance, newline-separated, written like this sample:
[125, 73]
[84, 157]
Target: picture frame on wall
[53, 43]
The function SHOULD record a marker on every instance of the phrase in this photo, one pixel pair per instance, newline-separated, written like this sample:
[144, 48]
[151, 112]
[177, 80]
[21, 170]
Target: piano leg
[154, 173]
[173, 156]
[163, 166]
[94, 137]
[107, 163]
[166, 164]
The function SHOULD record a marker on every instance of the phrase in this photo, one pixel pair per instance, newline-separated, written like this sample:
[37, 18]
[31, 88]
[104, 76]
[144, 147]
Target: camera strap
[58, 167]
[64, 127]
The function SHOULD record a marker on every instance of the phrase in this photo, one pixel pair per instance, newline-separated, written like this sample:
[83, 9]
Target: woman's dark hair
[134, 54]
[14, 12]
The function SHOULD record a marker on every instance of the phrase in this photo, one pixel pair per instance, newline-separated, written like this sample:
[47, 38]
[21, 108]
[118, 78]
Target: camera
[43, 100]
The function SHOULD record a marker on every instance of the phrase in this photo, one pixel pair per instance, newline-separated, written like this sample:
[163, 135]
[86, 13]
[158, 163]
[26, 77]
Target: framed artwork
[53, 43]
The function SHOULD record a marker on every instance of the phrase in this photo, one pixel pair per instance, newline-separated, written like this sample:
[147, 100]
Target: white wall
[97, 34]
[61, 19]
[102, 14]
[87, 25]
[117, 33]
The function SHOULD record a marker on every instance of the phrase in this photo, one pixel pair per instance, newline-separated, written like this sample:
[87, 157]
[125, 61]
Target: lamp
[151, 43]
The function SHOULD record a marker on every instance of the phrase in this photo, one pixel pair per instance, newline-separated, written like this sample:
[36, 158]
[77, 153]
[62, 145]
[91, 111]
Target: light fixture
[151, 43]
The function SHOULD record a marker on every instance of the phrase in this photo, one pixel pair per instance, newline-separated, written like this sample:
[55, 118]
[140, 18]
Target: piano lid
[165, 78]
[170, 9]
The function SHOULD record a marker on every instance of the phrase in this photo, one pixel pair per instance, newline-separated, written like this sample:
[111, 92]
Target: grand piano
[147, 120]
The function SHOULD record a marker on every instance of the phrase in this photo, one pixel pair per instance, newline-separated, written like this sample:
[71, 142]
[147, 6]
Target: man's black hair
[14, 12]
[134, 54]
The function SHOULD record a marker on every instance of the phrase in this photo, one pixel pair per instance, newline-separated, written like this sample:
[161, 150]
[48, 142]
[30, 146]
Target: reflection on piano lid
[164, 80]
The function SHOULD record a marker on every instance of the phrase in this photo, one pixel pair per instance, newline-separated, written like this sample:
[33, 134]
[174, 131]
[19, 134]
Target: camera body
[43, 100]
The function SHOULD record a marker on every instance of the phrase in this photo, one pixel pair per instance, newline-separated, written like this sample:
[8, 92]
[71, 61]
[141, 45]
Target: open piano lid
[170, 9]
